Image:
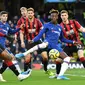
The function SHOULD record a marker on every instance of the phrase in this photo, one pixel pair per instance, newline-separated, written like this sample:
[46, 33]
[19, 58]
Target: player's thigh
[44, 53]
[80, 51]
[5, 55]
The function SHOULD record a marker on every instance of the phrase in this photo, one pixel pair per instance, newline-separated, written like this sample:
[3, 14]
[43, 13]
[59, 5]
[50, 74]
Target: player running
[5, 54]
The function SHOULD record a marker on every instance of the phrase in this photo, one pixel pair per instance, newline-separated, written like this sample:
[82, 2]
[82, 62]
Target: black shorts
[69, 50]
[1, 48]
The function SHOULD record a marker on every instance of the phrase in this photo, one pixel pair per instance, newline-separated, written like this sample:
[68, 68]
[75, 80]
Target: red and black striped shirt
[35, 25]
[72, 28]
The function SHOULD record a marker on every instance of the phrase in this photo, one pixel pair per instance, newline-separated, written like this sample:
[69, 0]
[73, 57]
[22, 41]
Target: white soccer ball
[54, 54]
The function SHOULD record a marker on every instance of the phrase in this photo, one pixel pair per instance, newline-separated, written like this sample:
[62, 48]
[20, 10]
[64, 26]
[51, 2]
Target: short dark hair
[53, 11]
[3, 12]
[64, 11]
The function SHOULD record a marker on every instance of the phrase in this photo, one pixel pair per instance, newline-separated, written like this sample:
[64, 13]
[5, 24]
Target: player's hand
[76, 43]
[30, 41]
[22, 44]
[21, 26]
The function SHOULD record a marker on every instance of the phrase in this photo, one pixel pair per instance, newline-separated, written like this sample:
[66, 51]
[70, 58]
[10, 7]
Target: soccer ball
[53, 54]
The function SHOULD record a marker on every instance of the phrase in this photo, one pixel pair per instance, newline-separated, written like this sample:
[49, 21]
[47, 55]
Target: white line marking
[75, 75]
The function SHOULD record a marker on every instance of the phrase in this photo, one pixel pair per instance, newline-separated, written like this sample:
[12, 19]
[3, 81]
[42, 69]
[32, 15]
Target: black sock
[27, 65]
[3, 68]
[58, 67]
[13, 68]
[45, 63]
[83, 62]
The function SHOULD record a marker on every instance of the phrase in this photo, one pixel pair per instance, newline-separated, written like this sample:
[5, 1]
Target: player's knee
[28, 58]
[63, 55]
[44, 55]
[80, 53]
[67, 59]
[43, 45]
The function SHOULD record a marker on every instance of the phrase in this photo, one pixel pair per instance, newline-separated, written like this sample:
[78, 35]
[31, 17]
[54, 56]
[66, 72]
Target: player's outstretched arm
[16, 30]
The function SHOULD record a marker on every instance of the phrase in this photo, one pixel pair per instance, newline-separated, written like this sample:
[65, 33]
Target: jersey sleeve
[77, 25]
[18, 25]
[43, 30]
[63, 39]
[13, 31]
[40, 24]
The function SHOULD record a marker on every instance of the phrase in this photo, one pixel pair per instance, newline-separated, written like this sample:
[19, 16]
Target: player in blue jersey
[5, 54]
[53, 33]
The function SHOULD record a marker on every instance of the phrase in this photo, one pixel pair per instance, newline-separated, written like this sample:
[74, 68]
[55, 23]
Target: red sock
[9, 63]
[82, 59]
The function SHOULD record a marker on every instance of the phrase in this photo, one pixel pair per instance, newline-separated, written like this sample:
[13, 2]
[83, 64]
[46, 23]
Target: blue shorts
[55, 46]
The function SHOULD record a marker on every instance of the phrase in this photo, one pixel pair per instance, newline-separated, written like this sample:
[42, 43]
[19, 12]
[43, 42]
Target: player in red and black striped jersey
[71, 29]
[30, 30]
[22, 35]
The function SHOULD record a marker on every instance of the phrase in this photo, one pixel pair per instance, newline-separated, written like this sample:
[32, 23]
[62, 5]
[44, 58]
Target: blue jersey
[53, 33]
[5, 29]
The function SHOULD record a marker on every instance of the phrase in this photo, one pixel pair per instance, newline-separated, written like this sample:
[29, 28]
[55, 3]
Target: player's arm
[82, 29]
[40, 34]
[64, 39]
[11, 31]
[22, 39]
[79, 27]
[21, 33]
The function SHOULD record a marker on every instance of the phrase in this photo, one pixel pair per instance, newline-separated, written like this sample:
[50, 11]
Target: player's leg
[81, 54]
[64, 66]
[4, 55]
[20, 76]
[27, 59]
[69, 51]
[2, 69]
[16, 64]
[37, 47]
[44, 55]
[8, 57]
[66, 60]
[58, 63]
[16, 69]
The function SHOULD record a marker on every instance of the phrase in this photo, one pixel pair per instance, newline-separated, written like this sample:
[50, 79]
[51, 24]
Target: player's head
[30, 12]
[54, 15]
[23, 11]
[64, 15]
[3, 16]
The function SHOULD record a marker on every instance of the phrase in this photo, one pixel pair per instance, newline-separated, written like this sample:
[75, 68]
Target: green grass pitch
[38, 77]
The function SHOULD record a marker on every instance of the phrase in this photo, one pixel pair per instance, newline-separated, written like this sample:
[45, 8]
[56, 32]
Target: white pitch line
[75, 75]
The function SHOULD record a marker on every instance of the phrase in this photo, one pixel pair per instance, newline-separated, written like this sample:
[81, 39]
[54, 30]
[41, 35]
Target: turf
[38, 77]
